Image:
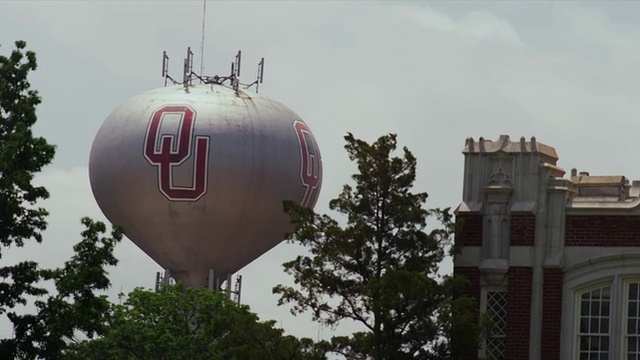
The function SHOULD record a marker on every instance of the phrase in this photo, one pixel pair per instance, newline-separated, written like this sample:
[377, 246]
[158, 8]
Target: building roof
[504, 144]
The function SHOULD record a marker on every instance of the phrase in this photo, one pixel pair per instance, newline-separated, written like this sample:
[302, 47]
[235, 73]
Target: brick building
[553, 260]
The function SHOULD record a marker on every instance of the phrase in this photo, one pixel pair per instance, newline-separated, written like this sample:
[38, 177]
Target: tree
[21, 156]
[74, 309]
[380, 268]
[189, 323]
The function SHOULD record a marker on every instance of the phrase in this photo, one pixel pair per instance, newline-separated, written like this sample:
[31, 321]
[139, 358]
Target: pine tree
[381, 268]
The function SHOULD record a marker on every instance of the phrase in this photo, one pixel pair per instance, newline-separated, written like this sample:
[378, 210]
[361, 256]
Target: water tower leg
[218, 284]
[228, 289]
[162, 280]
[215, 281]
[211, 280]
[158, 280]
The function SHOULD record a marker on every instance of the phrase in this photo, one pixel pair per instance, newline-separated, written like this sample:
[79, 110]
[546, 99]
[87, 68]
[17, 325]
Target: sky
[434, 73]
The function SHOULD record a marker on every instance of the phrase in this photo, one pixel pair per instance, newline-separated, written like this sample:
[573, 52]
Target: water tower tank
[197, 176]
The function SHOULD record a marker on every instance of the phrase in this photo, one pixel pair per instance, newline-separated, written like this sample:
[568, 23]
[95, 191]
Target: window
[593, 332]
[607, 321]
[601, 305]
[632, 326]
[496, 310]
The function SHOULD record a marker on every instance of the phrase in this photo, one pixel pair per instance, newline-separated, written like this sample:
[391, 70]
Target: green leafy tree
[21, 156]
[74, 309]
[190, 323]
[380, 268]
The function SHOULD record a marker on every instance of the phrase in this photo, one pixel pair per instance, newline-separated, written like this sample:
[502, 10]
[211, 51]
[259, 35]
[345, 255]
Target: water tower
[196, 172]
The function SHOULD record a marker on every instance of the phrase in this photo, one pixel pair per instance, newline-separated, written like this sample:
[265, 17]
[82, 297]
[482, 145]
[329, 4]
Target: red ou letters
[175, 149]
[310, 164]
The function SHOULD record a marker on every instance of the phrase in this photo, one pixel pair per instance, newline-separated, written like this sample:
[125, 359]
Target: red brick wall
[602, 230]
[522, 229]
[471, 232]
[473, 275]
[551, 314]
[518, 312]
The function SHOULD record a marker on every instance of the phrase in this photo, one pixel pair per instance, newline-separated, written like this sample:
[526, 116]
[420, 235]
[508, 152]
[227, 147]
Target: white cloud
[592, 30]
[475, 26]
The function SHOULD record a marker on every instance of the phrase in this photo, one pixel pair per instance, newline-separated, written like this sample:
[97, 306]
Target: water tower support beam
[211, 280]
[214, 283]
[162, 280]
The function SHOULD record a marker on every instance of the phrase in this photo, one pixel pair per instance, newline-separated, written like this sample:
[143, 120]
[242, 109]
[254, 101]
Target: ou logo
[310, 162]
[165, 151]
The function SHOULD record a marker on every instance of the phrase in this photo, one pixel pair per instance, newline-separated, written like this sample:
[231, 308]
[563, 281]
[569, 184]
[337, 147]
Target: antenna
[238, 288]
[235, 72]
[188, 68]
[165, 69]
[259, 76]
[237, 62]
[204, 13]
[165, 66]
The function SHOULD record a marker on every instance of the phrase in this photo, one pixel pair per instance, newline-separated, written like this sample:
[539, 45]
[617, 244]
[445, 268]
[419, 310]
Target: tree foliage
[74, 309]
[380, 268]
[21, 156]
[189, 323]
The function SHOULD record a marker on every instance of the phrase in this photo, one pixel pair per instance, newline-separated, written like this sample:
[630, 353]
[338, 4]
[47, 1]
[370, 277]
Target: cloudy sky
[435, 73]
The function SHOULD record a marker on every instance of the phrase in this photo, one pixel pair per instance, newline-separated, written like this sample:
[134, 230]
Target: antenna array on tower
[233, 79]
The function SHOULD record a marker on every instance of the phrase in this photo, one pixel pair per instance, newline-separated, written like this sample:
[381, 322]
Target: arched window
[601, 309]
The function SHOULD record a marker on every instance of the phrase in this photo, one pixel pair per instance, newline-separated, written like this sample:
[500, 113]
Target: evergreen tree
[380, 268]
